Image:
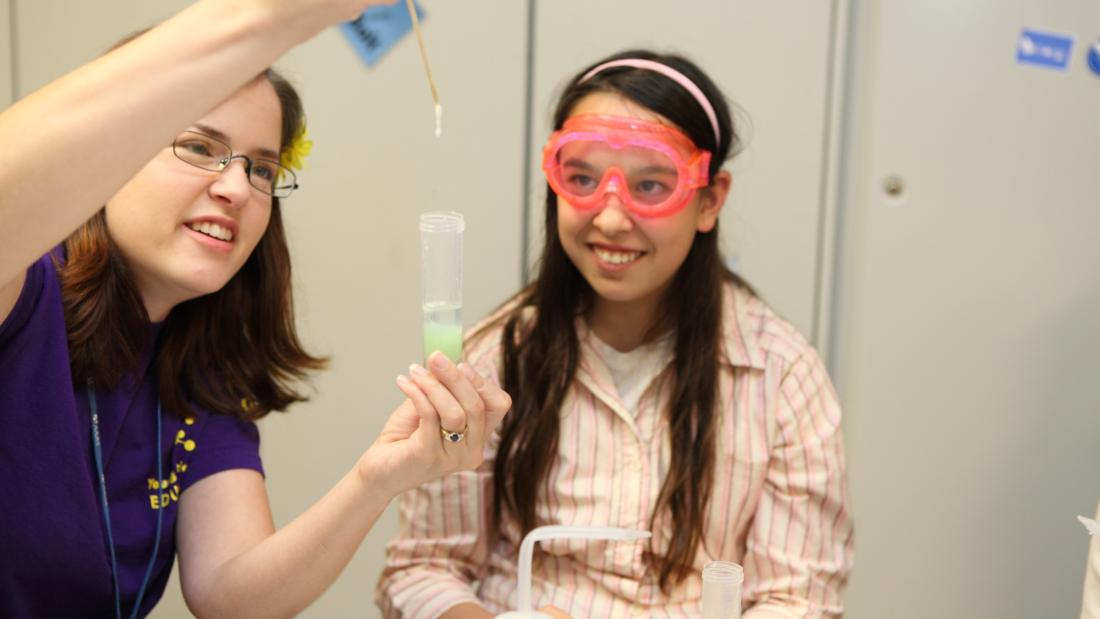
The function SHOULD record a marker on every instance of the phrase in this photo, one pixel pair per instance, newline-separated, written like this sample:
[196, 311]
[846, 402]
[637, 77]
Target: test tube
[441, 282]
[722, 590]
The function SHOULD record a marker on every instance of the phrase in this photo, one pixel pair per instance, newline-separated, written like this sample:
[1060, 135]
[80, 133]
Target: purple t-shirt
[54, 559]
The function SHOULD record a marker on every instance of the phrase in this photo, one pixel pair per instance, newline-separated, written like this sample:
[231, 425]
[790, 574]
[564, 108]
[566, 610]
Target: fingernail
[402, 380]
[416, 370]
[438, 360]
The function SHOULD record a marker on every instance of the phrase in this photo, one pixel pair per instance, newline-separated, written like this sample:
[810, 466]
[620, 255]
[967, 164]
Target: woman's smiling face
[184, 231]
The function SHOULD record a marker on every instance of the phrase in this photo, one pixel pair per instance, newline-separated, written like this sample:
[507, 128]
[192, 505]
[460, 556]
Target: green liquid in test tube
[441, 282]
[443, 330]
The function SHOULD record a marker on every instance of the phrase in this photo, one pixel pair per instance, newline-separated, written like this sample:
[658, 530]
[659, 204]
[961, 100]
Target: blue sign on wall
[378, 29]
[1044, 49]
[1094, 57]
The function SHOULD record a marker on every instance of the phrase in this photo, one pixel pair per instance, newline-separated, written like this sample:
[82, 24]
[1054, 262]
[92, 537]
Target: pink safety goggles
[653, 169]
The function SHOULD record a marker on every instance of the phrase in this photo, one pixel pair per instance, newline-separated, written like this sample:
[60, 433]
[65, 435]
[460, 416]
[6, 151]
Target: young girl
[652, 390]
[136, 352]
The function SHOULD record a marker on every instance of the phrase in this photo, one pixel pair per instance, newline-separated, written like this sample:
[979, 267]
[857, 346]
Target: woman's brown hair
[541, 353]
[233, 352]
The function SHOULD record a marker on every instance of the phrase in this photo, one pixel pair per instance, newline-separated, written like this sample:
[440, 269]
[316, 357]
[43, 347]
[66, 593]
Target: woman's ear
[712, 198]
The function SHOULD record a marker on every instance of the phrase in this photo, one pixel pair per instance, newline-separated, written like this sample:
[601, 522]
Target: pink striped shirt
[779, 505]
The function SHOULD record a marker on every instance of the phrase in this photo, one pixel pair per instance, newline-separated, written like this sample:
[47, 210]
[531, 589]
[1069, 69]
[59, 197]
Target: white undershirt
[634, 370]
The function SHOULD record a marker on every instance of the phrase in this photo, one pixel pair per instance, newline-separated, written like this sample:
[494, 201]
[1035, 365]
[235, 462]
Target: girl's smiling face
[628, 259]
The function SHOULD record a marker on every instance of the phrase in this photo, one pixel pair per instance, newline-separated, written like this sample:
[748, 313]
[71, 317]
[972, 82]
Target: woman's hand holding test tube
[410, 450]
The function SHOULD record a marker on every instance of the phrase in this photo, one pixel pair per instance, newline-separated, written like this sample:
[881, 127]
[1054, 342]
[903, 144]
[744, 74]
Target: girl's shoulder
[753, 331]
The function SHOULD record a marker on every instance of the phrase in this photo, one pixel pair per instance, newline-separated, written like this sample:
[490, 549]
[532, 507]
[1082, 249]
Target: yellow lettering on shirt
[168, 490]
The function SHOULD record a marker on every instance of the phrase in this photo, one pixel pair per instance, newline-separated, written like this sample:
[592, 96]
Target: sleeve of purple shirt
[222, 443]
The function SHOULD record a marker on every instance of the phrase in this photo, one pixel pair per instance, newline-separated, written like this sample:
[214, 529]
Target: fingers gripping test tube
[441, 282]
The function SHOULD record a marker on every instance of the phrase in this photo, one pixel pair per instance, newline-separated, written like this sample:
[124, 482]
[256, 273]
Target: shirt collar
[742, 316]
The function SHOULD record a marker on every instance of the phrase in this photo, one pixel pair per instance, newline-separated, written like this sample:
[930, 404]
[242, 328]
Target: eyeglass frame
[224, 163]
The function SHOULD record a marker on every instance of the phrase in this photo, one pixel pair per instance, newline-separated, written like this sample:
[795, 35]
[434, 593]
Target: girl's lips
[615, 248]
[209, 241]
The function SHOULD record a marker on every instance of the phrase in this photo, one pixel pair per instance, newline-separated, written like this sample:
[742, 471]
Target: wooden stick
[423, 51]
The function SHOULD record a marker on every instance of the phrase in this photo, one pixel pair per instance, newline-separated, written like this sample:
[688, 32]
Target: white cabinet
[969, 311]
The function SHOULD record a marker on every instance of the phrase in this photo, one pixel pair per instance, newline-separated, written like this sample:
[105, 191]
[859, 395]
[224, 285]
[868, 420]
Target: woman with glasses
[146, 322]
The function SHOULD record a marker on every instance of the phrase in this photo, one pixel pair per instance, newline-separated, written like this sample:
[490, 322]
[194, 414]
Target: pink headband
[670, 73]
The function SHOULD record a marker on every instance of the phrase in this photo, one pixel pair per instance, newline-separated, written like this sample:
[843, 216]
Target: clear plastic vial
[722, 590]
[441, 282]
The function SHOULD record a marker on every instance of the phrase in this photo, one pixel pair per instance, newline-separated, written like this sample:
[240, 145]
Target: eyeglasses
[208, 153]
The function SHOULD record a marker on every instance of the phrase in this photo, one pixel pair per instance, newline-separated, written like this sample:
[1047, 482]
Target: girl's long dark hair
[234, 352]
[540, 355]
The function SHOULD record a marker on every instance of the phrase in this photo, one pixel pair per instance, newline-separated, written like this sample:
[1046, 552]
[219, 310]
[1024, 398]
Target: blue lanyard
[97, 450]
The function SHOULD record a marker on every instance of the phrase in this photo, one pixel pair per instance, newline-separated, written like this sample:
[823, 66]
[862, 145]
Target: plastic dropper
[527, 550]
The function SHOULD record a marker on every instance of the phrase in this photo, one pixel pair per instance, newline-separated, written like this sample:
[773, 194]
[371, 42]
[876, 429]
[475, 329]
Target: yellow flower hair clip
[294, 155]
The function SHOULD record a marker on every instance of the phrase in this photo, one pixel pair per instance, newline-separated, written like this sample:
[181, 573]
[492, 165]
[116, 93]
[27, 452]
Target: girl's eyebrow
[574, 162]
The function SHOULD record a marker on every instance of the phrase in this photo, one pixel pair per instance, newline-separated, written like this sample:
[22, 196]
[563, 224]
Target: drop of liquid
[438, 120]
